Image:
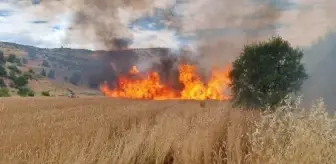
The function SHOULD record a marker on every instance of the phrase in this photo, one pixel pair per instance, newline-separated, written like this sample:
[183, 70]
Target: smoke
[222, 28]
[104, 22]
[215, 29]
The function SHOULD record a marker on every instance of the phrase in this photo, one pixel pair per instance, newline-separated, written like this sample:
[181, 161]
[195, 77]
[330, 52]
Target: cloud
[300, 21]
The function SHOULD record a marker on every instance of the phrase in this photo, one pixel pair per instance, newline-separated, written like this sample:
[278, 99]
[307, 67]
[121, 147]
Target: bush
[2, 83]
[12, 75]
[20, 81]
[43, 73]
[2, 58]
[31, 71]
[45, 93]
[51, 74]
[14, 69]
[45, 63]
[25, 92]
[18, 62]
[11, 58]
[24, 61]
[28, 75]
[4, 92]
[3, 72]
[265, 73]
[75, 78]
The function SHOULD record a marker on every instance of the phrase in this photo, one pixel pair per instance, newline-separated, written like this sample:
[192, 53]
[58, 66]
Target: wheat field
[98, 130]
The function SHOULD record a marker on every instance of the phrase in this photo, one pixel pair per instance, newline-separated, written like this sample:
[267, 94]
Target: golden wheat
[101, 130]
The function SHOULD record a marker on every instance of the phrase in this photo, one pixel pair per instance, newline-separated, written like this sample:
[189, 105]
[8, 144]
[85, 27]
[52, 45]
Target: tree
[24, 61]
[14, 69]
[45, 93]
[2, 58]
[24, 92]
[75, 78]
[11, 58]
[2, 84]
[51, 74]
[20, 81]
[3, 72]
[43, 73]
[45, 63]
[31, 71]
[28, 75]
[4, 92]
[265, 73]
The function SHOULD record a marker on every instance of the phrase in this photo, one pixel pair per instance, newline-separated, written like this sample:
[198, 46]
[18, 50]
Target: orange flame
[150, 86]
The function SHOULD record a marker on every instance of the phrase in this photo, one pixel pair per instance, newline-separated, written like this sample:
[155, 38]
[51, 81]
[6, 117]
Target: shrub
[25, 92]
[27, 75]
[43, 73]
[51, 74]
[11, 58]
[4, 92]
[45, 93]
[24, 61]
[2, 58]
[12, 75]
[2, 83]
[14, 69]
[45, 63]
[3, 72]
[75, 78]
[20, 81]
[265, 73]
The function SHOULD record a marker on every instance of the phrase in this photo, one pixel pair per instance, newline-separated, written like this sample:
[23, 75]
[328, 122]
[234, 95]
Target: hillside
[79, 68]
[57, 65]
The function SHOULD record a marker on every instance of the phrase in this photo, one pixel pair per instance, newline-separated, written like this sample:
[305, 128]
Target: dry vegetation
[100, 130]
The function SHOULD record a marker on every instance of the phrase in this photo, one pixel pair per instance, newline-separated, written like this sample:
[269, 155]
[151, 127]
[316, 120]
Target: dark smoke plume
[219, 28]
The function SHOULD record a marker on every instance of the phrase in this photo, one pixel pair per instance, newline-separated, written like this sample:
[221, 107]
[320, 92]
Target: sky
[23, 21]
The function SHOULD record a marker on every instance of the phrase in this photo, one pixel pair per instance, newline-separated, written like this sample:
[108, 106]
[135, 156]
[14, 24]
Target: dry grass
[100, 130]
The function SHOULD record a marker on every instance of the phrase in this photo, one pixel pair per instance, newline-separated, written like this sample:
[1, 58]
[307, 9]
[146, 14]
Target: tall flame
[150, 86]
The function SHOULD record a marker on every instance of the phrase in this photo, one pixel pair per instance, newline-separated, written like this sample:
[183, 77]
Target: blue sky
[26, 22]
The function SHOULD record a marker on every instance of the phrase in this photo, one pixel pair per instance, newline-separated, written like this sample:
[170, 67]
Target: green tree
[43, 73]
[45, 93]
[31, 71]
[20, 81]
[45, 63]
[51, 74]
[12, 75]
[11, 58]
[25, 91]
[75, 78]
[2, 58]
[24, 61]
[265, 73]
[14, 69]
[2, 83]
[3, 72]
[28, 75]
[4, 92]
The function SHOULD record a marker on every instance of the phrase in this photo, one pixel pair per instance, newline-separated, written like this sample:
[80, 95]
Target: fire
[149, 86]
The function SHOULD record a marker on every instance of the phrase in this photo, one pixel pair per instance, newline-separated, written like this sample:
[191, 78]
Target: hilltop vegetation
[24, 65]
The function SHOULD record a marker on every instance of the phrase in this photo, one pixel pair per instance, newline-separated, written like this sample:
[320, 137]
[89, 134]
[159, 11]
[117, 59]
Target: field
[99, 130]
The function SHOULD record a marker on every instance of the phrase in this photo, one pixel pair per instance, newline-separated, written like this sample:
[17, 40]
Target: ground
[101, 130]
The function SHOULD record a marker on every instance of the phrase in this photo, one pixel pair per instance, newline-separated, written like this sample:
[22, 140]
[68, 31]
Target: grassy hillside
[100, 130]
[57, 64]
